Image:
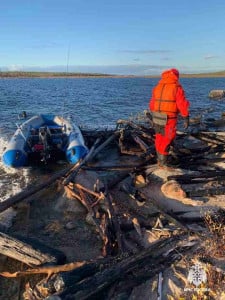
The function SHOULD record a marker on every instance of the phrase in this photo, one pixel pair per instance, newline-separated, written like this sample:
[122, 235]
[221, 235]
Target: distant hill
[198, 75]
[20, 74]
[213, 74]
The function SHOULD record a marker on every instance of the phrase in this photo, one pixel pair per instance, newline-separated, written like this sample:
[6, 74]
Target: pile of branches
[127, 260]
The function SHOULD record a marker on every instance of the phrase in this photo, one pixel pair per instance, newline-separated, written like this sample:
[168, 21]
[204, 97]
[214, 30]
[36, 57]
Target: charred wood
[140, 142]
[206, 192]
[127, 225]
[91, 135]
[97, 283]
[191, 178]
[147, 132]
[115, 167]
[211, 137]
[115, 223]
[158, 208]
[105, 143]
[29, 251]
[63, 280]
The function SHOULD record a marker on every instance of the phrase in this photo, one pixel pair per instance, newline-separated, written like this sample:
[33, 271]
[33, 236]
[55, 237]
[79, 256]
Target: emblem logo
[197, 275]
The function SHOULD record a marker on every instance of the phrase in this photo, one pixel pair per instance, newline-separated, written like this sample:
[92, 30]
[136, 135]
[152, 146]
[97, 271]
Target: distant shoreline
[18, 74]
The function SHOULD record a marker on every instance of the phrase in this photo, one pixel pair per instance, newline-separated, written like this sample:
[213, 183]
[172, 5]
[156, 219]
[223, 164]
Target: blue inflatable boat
[43, 138]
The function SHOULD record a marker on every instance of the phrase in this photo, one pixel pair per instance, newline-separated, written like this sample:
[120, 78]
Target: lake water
[90, 102]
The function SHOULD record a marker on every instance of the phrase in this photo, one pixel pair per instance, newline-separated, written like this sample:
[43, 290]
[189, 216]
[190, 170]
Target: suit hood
[170, 76]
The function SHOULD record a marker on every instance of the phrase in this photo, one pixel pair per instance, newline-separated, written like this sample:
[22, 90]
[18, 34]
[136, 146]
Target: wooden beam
[28, 252]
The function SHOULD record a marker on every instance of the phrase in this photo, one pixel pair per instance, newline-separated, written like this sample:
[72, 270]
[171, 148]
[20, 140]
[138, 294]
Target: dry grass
[215, 243]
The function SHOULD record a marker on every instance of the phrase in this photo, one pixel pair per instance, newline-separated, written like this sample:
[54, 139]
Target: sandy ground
[56, 222]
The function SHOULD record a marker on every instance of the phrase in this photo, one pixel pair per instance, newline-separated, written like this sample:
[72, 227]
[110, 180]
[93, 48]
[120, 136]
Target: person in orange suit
[167, 102]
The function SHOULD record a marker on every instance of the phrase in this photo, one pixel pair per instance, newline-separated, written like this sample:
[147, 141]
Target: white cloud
[15, 67]
[210, 56]
[146, 51]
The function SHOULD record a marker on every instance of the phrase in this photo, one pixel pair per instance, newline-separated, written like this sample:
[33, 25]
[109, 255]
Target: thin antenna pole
[67, 71]
[68, 58]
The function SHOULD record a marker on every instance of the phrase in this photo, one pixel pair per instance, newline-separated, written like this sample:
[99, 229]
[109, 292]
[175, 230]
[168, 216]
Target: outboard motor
[22, 115]
[44, 138]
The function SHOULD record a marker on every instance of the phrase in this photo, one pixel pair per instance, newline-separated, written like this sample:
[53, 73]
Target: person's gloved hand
[186, 122]
[148, 114]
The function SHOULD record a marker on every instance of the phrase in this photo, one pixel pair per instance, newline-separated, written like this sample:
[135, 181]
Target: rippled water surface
[94, 101]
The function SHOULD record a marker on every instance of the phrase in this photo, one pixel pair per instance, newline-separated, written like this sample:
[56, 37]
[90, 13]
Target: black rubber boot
[163, 163]
[161, 159]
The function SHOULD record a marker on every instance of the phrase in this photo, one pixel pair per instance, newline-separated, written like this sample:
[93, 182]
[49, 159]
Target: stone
[70, 225]
[217, 94]
[172, 189]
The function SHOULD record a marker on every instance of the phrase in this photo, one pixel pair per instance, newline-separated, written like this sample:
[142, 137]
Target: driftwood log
[29, 251]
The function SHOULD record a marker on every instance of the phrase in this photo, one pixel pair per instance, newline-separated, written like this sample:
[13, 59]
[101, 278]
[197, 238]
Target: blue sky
[120, 36]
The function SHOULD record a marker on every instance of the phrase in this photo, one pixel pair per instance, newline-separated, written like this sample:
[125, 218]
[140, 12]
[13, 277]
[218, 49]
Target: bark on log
[29, 251]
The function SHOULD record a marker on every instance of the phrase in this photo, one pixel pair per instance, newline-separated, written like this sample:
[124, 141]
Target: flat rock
[217, 94]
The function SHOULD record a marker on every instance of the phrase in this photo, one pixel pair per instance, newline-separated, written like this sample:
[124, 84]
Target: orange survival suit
[167, 101]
